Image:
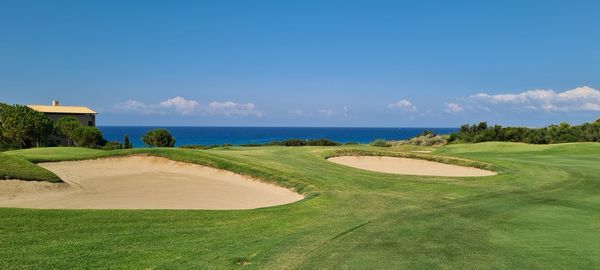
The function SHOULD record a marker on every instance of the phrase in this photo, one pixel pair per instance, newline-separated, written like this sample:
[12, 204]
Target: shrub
[126, 143]
[562, 133]
[201, 147]
[292, 142]
[112, 146]
[86, 136]
[65, 127]
[453, 137]
[379, 143]
[428, 139]
[299, 142]
[158, 138]
[426, 132]
[322, 142]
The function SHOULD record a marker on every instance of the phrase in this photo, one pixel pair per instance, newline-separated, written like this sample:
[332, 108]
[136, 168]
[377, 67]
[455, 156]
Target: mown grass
[16, 168]
[541, 212]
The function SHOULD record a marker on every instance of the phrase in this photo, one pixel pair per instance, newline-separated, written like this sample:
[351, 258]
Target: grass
[16, 168]
[541, 212]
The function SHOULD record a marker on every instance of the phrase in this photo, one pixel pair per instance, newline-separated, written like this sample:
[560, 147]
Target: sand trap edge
[44, 187]
[408, 166]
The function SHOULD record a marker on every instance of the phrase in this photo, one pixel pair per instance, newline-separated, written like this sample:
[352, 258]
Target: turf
[541, 212]
[16, 168]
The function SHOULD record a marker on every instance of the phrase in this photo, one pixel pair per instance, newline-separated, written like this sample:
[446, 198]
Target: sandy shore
[408, 166]
[142, 182]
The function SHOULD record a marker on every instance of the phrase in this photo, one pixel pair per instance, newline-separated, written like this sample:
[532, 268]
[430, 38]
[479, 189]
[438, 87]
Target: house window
[90, 123]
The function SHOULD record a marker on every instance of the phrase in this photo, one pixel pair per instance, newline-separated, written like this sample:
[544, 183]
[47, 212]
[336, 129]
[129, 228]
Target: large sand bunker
[409, 166]
[142, 182]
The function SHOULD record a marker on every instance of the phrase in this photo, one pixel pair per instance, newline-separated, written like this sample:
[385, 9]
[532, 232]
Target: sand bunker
[142, 182]
[407, 166]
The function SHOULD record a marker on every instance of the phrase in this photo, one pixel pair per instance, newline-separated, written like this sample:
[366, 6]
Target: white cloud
[137, 107]
[327, 112]
[230, 108]
[453, 108]
[579, 99]
[296, 112]
[181, 105]
[184, 106]
[403, 105]
[178, 104]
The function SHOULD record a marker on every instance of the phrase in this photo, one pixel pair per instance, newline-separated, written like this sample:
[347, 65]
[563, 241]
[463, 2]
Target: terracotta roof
[62, 109]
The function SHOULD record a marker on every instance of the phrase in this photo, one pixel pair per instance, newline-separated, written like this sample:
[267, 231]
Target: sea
[258, 135]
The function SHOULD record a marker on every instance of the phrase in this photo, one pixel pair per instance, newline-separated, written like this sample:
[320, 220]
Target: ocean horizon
[207, 135]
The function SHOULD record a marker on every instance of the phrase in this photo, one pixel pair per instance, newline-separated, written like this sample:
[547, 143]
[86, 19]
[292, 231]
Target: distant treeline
[299, 142]
[562, 133]
[290, 142]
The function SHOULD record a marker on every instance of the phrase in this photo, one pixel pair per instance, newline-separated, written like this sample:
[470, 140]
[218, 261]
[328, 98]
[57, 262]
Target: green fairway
[542, 211]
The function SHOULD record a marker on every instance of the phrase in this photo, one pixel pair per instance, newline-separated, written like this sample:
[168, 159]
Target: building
[55, 111]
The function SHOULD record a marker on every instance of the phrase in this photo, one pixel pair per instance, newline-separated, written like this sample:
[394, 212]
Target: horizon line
[398, 127]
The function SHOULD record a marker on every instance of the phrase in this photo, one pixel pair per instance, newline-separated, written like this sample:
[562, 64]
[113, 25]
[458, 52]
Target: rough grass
[541, 212]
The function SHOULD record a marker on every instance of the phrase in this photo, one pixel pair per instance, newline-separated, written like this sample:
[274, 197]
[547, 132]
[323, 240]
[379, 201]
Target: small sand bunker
[407, 166]
[142, 182]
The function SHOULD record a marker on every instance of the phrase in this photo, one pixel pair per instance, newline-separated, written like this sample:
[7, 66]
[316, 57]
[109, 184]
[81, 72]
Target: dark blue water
[247, 135]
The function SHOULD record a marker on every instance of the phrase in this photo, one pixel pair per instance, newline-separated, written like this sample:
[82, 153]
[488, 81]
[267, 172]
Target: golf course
[540, 209]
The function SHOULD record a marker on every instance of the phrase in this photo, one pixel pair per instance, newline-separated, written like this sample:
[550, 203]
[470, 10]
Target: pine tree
[126, 143]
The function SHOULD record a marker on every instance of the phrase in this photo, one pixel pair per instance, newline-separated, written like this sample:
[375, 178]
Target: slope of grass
[16, 168]
[541, 212]
[50, 154]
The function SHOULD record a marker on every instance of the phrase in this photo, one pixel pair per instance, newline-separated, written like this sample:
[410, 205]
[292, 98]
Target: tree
[126, 142]
[21, 126]
[598, 121]
[87, 136]
[66, 127]
[112, 146]
[158, 138]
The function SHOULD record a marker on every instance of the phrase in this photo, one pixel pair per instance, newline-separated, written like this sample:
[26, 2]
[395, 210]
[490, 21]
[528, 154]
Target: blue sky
[306, 63]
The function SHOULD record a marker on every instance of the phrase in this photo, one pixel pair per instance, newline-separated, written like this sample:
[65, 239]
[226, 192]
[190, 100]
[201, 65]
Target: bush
[322, 142]
[379, 143]
[562, 133]
[126, 143]
[112, 146]
[428, 139]
[198, 146]
[65, 127]
[299, 142]
[158, 138]
[86, 136]
[23, 127]
[290, 142]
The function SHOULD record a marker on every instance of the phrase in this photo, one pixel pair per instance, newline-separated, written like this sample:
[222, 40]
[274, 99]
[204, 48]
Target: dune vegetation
[542, 211]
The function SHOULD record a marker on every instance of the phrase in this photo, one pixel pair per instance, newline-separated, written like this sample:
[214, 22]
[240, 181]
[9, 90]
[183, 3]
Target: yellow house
[85, 115]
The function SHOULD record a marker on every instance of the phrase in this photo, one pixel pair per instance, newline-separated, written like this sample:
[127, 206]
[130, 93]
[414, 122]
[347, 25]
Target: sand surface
[142, 182]
[408, 166]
